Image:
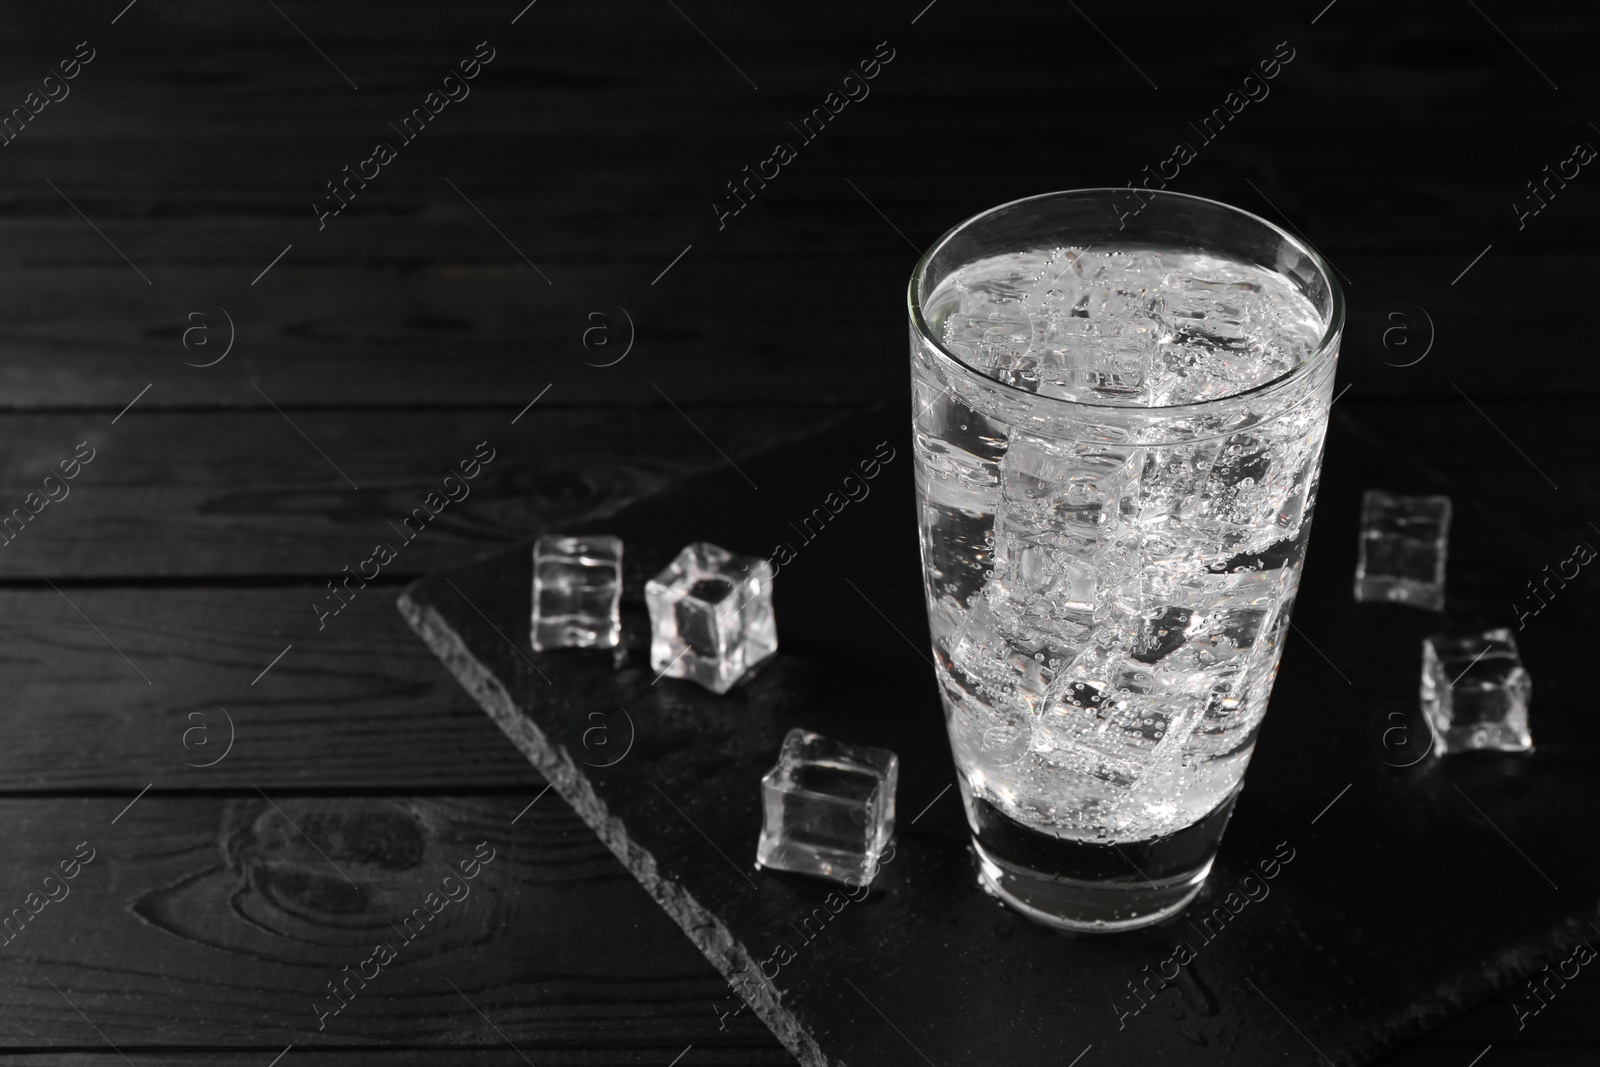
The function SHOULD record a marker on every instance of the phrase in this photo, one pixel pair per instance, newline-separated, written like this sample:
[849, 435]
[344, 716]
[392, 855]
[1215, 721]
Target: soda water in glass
[1119, 408]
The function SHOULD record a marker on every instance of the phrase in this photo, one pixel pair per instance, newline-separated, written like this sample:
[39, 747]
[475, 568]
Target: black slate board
[1401, 904]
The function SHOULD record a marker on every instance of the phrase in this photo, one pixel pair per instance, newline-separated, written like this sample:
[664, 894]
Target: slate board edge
[1501, 972]
[703, 928]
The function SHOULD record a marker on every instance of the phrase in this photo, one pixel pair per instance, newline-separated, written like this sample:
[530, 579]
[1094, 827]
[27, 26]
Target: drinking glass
[1119, 405]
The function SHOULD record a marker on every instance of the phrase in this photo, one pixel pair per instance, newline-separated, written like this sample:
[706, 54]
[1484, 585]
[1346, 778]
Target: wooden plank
[277, 121]
[270, 77]
[809, 211]
[425, 1057]
[1454, 1055]
[418, 270]
[606, 231]
[214, 494]
[218, 921]
[349, 707]
[650, 60]
[720, 328]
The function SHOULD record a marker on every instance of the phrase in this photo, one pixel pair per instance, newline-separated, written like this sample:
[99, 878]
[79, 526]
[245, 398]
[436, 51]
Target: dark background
[426, 316]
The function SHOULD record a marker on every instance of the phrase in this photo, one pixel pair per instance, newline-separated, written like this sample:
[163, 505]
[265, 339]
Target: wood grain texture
[692, 1056]
[1530, 1054]
[348, 707]
[218, 921]
[598, 152]
[469, 328]
[247, 493]
[577, 100]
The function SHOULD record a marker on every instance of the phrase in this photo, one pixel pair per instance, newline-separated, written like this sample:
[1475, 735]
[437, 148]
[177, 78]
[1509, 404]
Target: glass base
[1093, 886]
[1086, 907]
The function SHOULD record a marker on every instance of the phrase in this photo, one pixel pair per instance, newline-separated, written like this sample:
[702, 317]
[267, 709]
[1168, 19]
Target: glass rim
[1316, 358]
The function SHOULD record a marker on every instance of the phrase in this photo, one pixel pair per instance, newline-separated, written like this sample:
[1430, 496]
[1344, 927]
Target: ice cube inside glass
[711, 616]
[1475, 692]
[827, 808]
[577, 586]
[1404, 542]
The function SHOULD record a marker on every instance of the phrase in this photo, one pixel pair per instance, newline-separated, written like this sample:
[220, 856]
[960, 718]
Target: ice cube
[1011, 665]
[577, 583]
[827, 808]
[1215, 314]
[1403, 546]
[1061, 535]
[1115, 367]
[711, 616]
[1059, 279]
[1033, 578]
[1475, 692]
[1023, 371]
[1226, 720]
[1236, 488]
[1074, 488]
[990, 338]
[1083, 354]
[1162, 634]
[1097, 678]
[1171, 478]
[1220, 635]
[984, 736]
[1292, 486]
[1113, 730]
[1216, 618]
[955, 478]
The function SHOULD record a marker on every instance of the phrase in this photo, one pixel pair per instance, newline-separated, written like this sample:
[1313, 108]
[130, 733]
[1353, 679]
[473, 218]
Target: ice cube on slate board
[827, 808]
[711, 616]
[1404, 540]
[1475, 692]
[577, 582]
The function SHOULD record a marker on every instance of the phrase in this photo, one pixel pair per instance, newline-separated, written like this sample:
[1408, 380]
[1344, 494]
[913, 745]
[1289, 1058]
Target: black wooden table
[259, 343]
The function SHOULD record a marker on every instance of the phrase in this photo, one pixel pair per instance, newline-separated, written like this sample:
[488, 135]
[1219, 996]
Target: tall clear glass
[1119, 403]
